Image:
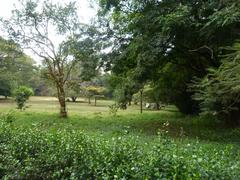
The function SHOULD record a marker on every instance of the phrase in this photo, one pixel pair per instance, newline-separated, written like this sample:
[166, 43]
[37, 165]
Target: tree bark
[89, 100]
[62, 102]
[158, 106]
[141, 101]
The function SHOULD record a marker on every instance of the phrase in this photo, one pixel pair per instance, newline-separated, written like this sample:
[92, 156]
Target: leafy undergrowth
[146, 125]
[30, 153]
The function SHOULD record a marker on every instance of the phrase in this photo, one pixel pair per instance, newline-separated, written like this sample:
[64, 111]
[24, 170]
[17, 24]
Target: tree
[35, 25]
[16, 68]
[8, 52]
[5, 87]
[169, 42]
[150, 94]
[219, 91]
[93, 91]
[124, 89]
[87, 67]
[73, 90]
[22, 94]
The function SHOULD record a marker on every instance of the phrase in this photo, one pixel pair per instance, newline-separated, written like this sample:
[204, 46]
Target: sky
[85, 12]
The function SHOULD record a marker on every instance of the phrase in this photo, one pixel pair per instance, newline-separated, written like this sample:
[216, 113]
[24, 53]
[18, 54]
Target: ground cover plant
[128, 145]
[34, 154]
[95, 120]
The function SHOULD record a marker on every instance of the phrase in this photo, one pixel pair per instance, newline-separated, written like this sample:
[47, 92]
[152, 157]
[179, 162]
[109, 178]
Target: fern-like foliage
[219, 91]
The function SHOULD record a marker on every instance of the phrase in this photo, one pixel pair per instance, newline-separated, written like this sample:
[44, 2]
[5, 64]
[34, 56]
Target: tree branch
[204, 47]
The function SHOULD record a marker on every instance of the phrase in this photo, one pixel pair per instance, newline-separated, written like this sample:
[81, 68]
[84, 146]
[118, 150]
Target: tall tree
[219, 91]
[49, 30]
[87, 52]
[16, 68]
[169, 42]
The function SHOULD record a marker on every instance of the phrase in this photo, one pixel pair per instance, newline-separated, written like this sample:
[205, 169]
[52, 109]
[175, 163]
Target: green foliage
[5, 87]
[120, 98]
[73, 90]
[113, 109]
[219, 91]
[8, 117]
[151, 94]
[168, 43]
[91, 90]
[123, 89]
[86, 52]
[16, 68]
[22, 94]
[29, 26]
[36, 154]
[94, 90]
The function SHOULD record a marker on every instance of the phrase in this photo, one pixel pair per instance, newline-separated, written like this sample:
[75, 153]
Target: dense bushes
[33, 154]
[219, 92]
[22, 94]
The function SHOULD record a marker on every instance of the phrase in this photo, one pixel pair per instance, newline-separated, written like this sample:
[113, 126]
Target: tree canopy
[169, 42]
[50, 31]
[177, 50]
[16, 68]
[219, 91]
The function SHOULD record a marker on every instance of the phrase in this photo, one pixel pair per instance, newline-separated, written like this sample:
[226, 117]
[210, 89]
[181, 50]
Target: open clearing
[93, 143]
[96, 120]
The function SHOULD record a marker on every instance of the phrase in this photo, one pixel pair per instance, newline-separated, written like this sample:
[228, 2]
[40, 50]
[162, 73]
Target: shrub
[35, 154]
[22, 94]
[219, 91]
[113, 109]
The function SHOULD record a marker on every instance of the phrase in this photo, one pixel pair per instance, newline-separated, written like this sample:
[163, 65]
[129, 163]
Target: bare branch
[45, 37]
[204, 47]
[69, 71]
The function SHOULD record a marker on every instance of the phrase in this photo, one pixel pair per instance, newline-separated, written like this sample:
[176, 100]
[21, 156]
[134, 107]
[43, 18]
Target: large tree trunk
[62, 102]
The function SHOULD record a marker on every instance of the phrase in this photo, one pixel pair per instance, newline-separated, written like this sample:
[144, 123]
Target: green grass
[96, 120]
[92, 143]
[50, 105]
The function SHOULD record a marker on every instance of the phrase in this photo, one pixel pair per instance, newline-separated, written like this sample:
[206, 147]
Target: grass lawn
[93, 143]
[50, 105]
[96, 120]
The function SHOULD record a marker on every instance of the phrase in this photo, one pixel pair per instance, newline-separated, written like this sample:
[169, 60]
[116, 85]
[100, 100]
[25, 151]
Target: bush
[113, 109]
[219, 91]
[35, 154]
[22, 94]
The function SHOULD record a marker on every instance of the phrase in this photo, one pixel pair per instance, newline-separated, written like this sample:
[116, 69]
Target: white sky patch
[85, 13]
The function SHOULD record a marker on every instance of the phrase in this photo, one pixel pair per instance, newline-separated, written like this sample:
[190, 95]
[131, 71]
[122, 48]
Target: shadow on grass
[191, 127]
